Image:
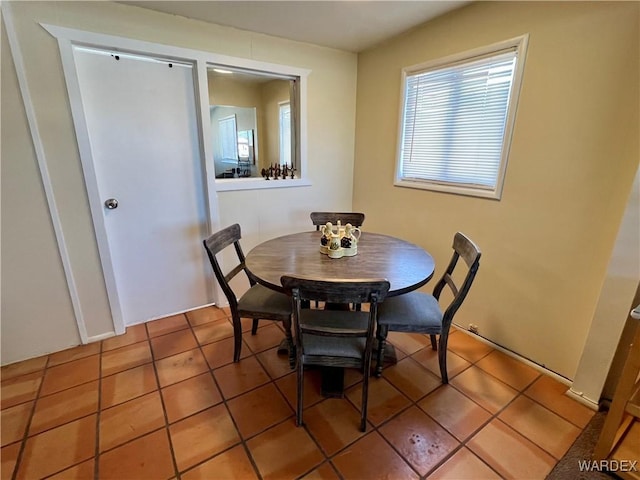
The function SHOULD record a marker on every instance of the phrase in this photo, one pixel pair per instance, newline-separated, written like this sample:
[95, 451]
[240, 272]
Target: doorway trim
[67, 38]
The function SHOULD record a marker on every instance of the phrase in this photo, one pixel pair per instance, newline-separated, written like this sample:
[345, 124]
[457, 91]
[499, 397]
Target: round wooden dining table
[406, 266]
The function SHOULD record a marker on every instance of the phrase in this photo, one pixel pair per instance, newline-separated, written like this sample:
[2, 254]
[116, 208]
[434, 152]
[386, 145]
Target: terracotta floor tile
[148, 457]
[421, 441]
[205, 315]
[20, 389]
[540, 425]
[221, 352]
[429, 359]
[464, 465]
[22, 368]
[234, 464]
[323, 472]
[70, 374]
[466, 346]
[240, 377]
[190, 396]
[276, 365]
[384, 400]
[265, 338]
[58, 449]
[129, 420]
[129, 384]
[13, 422]
[454, 411]
[484, 389]
[288, 385]
[509, 370]
[213, 331]
[82, 471]
[334, 423]
[351, 377]
[8, 457]
[188, 401]
[134, 334]
[62, 407]
[167, 325]
[246, 324]
[267, 451]
[509, 453]
[75, 353]
[258, 410]
[409, 343]
[372, 458]
[173, 343]
[180, 367]
[214, 430]
[411, 378]
[124, 358]
[551, 393]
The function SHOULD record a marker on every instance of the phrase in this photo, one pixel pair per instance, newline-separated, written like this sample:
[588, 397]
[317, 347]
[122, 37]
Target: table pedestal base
[332, 382]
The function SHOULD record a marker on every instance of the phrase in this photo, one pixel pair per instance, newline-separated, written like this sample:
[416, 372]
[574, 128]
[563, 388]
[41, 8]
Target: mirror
[254, 121]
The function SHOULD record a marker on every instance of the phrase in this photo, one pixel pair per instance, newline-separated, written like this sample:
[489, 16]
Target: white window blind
[228, 133]
[285, 134]
[455, 123]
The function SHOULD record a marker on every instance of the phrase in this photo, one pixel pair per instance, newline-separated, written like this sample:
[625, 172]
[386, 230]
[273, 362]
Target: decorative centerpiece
[339, 241]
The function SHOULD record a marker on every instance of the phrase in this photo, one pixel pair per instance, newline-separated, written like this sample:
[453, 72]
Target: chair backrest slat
[466, 248]
[337, 290]
[321, 218]
[449, 281]
[469, 251]
[214, 245]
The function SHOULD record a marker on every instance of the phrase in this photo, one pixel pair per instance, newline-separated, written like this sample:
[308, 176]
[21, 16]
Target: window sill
[448, 188]
[234, 184]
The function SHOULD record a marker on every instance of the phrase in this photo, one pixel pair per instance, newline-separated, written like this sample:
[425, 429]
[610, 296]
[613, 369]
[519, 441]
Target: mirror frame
[239, 76]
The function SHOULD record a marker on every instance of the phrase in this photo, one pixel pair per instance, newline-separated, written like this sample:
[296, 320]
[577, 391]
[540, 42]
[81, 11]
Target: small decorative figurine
[350, 240]
[326, 238]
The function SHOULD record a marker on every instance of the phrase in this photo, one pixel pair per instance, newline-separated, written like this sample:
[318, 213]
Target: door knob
[111, 203]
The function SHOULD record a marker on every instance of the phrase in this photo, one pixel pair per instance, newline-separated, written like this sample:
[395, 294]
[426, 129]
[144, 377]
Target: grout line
[96, 457]
[25, 436]
[224, 402]
[164, 407]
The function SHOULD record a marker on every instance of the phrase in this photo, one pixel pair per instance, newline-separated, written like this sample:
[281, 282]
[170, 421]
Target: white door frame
[66, 39]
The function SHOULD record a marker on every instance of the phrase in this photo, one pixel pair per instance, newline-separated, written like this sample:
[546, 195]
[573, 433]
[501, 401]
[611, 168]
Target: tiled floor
[164, 401]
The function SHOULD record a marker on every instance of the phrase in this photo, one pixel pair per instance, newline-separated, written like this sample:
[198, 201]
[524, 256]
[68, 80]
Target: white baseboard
[565, 381]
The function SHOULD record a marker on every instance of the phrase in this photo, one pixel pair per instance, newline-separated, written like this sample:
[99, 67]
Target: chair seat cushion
[349, 347]
[259, 299]
[412, 312]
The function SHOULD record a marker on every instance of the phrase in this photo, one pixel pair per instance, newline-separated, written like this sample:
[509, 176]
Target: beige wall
[36, 308]
[547, 243]
[33, 309]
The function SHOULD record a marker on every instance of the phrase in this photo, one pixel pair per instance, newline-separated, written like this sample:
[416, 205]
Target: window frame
[519, 44]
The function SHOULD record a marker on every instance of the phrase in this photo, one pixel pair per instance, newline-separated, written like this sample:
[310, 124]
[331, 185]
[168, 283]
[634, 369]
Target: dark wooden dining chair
[321, 218]
[419, 312]
[335, 338]
[257, 303]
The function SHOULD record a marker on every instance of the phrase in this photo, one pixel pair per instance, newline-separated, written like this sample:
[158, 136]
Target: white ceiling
[347, 25]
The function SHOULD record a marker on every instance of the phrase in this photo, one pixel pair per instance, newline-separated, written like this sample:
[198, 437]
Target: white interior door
[140, 115]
